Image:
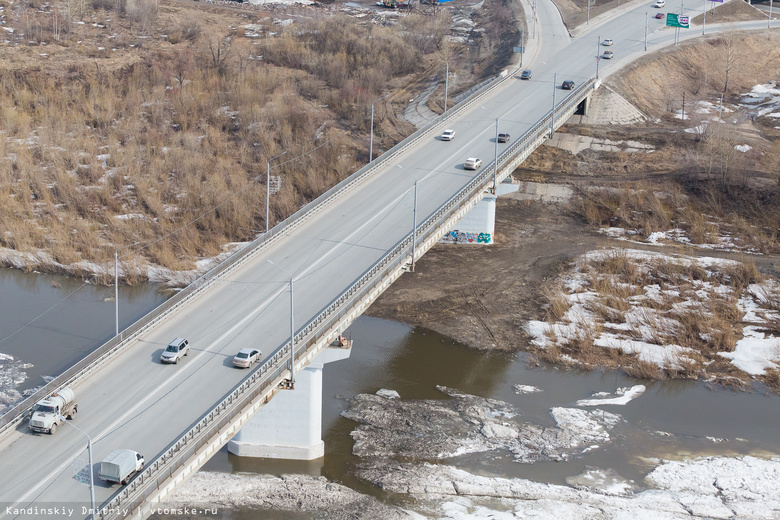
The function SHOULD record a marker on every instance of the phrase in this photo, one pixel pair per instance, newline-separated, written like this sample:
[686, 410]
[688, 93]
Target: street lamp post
[495, 162]
[268, 187]
[414, 218]
[446, 84]
[91, 478]
[598, 50]
[371, 142]
[769, 20]
[292, 327]
[646, 30]
[704, 23]
[552, 121]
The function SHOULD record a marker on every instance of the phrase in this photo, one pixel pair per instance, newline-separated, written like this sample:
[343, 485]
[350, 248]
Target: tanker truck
[47, 413]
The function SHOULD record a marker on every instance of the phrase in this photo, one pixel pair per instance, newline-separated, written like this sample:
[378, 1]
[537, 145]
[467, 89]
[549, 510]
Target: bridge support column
[290, 425]
[477, 227]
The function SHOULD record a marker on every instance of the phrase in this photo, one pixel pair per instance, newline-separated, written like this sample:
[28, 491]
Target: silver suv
[175, 350]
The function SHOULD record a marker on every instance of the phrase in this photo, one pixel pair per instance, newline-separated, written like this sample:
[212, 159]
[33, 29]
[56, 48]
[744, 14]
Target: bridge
[339, 252]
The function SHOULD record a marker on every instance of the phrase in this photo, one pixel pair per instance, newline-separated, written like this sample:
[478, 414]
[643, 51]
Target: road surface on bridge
[135, 402]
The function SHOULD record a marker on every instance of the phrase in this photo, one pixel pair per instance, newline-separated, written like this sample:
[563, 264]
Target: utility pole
[268, 187]
[704, 24]
[552, 121]
[646, 15]
[495, 162]
[598, 49]
[291, 383]
[446, 85]
[371, 142]
[587, 22]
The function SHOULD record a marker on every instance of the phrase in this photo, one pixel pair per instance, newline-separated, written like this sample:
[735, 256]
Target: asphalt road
[135, 402]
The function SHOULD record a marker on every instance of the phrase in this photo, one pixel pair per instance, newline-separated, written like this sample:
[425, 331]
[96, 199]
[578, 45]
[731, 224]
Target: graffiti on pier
[465, 237]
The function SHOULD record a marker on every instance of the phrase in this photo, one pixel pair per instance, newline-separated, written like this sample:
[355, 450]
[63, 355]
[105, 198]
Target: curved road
[135, 402]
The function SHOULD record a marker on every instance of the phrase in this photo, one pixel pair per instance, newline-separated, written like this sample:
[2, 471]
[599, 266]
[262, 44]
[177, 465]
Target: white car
[448, 135]
[607, 41]
[245, 357]
[472, 163]
[659, 4]
[175, 350]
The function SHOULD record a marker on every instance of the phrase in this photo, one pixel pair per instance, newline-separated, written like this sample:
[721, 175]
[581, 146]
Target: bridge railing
[17, 412]
[212, 422]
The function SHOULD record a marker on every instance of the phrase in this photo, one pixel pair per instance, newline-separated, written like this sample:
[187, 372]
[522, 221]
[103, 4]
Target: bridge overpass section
[341, 253]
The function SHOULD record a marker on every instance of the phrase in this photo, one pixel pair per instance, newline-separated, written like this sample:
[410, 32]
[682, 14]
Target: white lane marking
[208, 349]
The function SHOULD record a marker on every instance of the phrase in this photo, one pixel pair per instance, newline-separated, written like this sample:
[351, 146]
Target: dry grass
[694, 312]
[165, 130]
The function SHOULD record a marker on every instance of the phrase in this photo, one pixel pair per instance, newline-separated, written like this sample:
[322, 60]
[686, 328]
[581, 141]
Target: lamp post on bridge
[414, 218]
[291, 384]
[495, 156]
[91, 478]
[268, 183]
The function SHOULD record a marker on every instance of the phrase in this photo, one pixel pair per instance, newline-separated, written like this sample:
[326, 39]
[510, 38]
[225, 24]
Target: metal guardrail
[16, 413]
[211, 423]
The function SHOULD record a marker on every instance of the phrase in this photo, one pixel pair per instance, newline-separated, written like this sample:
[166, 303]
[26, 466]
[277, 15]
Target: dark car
[503, 138]
[660, 16]
[567, 85]
[526, 74]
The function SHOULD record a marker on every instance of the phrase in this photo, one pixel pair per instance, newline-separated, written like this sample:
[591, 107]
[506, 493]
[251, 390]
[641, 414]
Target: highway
[135, 402]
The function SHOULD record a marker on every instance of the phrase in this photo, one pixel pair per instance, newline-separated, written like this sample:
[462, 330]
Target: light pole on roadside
[91, 478]
[495, 162]
[704, 23]
[291, 384]
[116, 287]
[769, 20]
[268, 187]
[552, 121]
[598, 50]
[414, 217]
[646, 15]
[371, 141]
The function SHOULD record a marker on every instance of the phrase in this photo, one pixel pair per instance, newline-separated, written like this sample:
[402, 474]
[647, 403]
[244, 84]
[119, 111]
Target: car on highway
[608, 55]
[659, 4]
[503, 138]
[607, 41]
[660, 16]
[448, 135]
[472, 163]
[175, 350]
[245, 357]
[526, 74]
[567, 85]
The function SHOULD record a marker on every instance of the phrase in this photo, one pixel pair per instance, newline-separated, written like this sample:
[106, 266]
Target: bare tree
[730, 43]
[181, 64]
[218, 49]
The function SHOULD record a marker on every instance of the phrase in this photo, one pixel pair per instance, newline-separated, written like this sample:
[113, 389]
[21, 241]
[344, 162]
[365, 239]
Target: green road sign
[676, 20]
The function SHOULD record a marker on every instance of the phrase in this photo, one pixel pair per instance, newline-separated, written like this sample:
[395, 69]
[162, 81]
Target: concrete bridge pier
[478, 226]
[290, 425]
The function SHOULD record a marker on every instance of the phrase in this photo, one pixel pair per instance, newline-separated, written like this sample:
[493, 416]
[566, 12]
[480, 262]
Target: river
[671, 419]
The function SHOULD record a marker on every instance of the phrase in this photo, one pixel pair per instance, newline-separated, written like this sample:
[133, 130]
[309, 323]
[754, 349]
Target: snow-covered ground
[742, 488]
[648, 318]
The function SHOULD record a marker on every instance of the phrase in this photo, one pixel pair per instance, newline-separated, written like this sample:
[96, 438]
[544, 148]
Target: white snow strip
[626, 395]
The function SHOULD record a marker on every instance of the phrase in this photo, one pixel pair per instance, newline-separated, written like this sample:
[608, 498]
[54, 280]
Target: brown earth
[483, 296]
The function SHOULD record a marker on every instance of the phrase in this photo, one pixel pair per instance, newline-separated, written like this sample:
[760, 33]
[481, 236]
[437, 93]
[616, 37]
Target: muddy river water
[670, 420]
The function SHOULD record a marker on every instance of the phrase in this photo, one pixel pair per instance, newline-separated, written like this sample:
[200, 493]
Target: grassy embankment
[129, 126]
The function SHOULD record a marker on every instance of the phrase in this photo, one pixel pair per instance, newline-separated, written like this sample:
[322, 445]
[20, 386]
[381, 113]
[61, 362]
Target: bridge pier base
[290, 425]
[478, 226]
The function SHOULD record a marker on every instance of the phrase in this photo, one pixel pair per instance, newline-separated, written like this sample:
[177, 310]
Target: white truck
[47, 413]
[120, 465]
